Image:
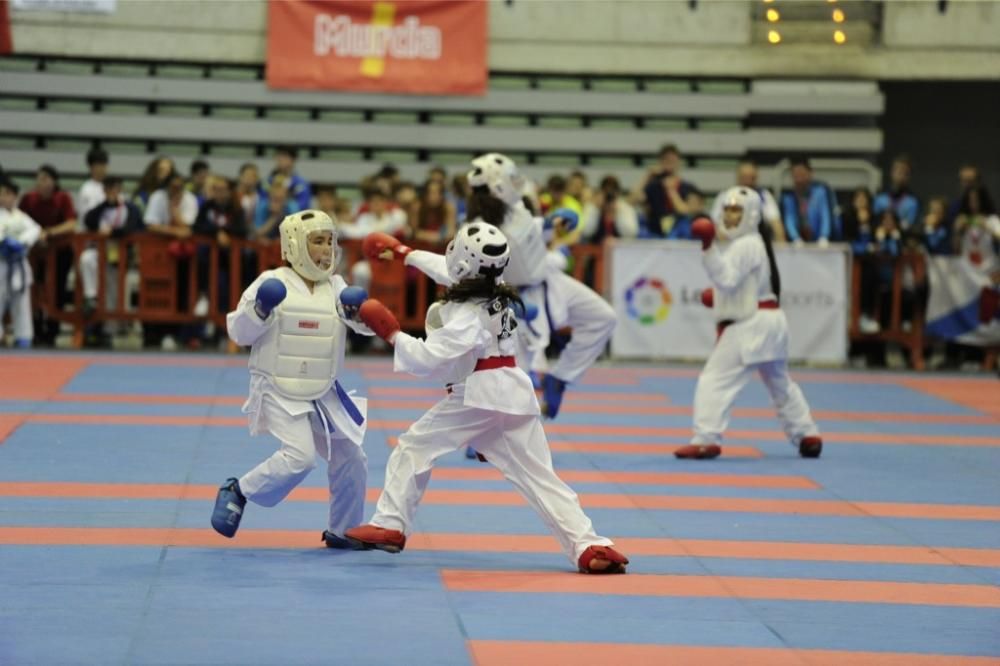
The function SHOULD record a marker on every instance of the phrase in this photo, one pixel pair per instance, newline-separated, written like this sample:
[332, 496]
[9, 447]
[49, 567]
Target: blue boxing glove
[352, 298]
[11, 250]
[526, 313]
[270, 293]
[566, 219]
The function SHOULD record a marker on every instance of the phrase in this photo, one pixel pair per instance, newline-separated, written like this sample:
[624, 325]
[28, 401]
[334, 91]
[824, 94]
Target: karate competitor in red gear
[470, 345]
[561, 301]
[295, 320]
[752, 330]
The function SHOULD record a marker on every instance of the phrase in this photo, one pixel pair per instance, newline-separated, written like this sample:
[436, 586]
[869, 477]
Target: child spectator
[92, 191]
[298, 187]
[434, 220]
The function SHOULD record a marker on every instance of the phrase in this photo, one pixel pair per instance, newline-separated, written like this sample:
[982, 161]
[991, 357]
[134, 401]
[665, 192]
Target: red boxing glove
[378, 318]
[708, 297]
[381, 246]
[704, 230]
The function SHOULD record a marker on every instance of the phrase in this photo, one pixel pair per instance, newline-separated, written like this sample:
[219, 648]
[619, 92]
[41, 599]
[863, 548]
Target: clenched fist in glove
[378, 318]
[704, 230]
[270, 293]
[352, 298]
[381, 246]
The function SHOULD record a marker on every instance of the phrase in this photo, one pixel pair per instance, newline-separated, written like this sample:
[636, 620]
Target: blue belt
[349, 406]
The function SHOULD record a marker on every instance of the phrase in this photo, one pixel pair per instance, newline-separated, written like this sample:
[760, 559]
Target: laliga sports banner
[656, 292]
[406, 46]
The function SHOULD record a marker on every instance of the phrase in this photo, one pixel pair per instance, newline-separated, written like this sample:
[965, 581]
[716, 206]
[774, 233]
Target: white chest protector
[741, 302]
[527, 248]
[300, 352]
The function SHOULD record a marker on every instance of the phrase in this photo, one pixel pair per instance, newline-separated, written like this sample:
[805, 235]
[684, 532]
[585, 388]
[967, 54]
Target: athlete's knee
[299, 462]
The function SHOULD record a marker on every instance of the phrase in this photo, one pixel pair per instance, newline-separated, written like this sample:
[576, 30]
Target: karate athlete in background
[18, 233]
[752, 330]
[295, 320]
[496, 199]
[470, 345]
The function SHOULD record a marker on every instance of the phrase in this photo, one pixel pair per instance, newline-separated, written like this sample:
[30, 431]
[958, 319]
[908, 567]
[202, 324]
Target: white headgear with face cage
[478, 249]
[498, 173]
[295, 230]
[749, 200]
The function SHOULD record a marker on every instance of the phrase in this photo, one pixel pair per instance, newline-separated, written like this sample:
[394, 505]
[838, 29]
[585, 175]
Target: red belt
[492, 363]
[769, 304]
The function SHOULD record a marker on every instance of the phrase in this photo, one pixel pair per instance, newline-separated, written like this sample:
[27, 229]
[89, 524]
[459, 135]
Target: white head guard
[499, 173]
[747, 199]
[478, 249]
[295, 230]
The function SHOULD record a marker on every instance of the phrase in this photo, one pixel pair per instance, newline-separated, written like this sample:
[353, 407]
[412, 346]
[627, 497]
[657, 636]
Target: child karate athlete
[295, 320]
[752, 330]
[470, 345]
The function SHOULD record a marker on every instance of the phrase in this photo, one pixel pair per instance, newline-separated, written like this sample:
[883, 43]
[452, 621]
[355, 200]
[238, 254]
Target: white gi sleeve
[243, 324]
[727, 271]
[30, 231]
[430, 264]
[458, 336]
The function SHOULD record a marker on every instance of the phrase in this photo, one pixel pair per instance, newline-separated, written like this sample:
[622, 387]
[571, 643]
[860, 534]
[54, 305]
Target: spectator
[299, 190]
[52, 209]
[153, 178]
[114, 217]
[608, 214]
[460, 195]
[197, 183]
[968, 177]
[434, 221]
[406, 198]
[882, 241]
[248, 190]
[92, 191]
[221, 219]
[18, 232]
[556, 196]
[977, 230]
[378, 217]
[172, 210]
[326, 200]
[272, 209]
[935, 236]
[746, 176]
[809, 207]
[668, 198]
[898, 197]
[437, 173]
[577, 187]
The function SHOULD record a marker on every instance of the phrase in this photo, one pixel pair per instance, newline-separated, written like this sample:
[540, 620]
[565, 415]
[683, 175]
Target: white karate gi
[305, 428]
[16, 277]
[756, 340]
[495, 408]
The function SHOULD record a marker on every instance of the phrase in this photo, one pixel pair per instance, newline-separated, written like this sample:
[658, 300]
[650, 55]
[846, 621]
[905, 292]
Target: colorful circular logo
[648, 301]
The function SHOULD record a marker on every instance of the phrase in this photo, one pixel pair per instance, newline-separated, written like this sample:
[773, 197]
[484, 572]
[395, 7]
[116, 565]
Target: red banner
[406, 46]
[6, 42]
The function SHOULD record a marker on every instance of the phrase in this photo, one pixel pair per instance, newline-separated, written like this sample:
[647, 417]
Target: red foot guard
[602, 560]
[698, 452]
[810, 447]
[368, 537]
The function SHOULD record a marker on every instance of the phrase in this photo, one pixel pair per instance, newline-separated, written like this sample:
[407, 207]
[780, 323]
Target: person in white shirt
[752, 331]
[172, 209]
[92, 190]
[746, 176]
[470, 347]
[379, 216]
[295, 320]
[18, 232]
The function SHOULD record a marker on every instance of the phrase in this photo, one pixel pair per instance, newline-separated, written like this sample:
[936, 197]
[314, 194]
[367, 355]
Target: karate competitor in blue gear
[295, 320]
[18, 232]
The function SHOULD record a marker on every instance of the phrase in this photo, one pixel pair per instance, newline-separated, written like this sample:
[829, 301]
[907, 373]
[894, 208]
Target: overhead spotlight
[839, 36]
[767, 2]
[773, 16]
[838, 16]
[774, 36]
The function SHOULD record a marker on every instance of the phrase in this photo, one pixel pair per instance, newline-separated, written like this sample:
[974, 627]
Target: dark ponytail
[767, 234]
[484, 288]
[484, 205]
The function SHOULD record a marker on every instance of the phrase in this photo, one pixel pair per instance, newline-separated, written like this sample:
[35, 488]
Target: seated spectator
[668, 198]
[248, 192]
[299, 189]
[153, 178]
[198, 181]
[378, 217]
[747, 175]
[899, 197]
[556, 197]
[434, 219]
[92, 190]
[172, 210]
[114, 217]
[271, 210]
[18, 232]
[809, 208]
[608, 214]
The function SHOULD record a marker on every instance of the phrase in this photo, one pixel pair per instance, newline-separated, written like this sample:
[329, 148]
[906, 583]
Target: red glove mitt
[704, 230]
[380, 246]
[378, 318]
[708, 297]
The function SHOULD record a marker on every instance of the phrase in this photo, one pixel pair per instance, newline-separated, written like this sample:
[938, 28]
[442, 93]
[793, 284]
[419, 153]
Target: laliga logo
[648, 300]
[378, 40]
